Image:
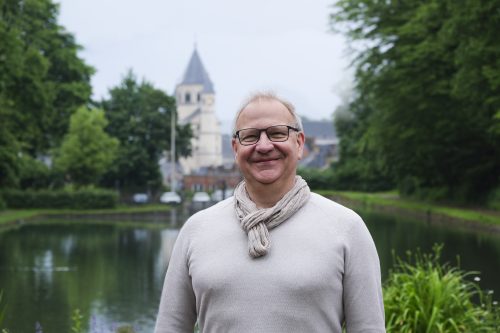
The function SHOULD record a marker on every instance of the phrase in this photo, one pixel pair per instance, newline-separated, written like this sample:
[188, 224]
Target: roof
[319, 129]
[196, 74]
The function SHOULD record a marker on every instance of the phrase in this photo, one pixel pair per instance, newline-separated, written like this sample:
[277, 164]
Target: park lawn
[392, 199]
[11, 215]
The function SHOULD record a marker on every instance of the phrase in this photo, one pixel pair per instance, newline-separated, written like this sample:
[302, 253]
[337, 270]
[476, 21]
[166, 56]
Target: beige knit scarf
[257, 222]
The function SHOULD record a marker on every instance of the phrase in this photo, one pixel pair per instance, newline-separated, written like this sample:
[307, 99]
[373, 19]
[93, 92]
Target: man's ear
[234, 145]
[301, 138]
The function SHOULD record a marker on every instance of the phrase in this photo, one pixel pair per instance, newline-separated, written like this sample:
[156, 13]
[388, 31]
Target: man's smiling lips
[265, 160]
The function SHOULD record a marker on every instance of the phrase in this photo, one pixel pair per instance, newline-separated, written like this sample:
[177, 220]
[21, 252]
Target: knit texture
[258, 221]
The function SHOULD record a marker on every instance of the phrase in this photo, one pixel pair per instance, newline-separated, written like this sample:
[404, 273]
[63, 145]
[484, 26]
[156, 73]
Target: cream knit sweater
[322, 269]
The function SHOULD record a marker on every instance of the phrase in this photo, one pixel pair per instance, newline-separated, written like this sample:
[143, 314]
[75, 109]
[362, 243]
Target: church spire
[196, 74]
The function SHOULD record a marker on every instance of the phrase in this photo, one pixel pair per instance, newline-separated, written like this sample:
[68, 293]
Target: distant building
[321, 146]
[227, 151]
[195, 97]
[211, 179]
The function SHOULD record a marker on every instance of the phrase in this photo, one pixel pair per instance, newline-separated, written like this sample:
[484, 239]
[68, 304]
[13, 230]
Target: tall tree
[136, 118]
[42, 79]
[87, 151]
[42, 82]
[360, 167]
[430, 72]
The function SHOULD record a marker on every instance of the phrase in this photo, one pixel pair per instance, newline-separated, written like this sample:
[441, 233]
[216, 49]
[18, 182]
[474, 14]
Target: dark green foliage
[360, 167]
[35, 174]
[139, 116]
[9, 148]
[317, 179]
[494, 199]
[2, 308]
[81, 199]
[42, 81]
[423, 295]
[429, 79]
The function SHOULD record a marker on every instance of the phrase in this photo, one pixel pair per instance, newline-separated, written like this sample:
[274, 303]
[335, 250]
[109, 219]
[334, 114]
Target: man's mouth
[264, 160]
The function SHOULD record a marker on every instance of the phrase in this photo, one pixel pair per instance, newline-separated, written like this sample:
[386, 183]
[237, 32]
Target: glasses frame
[237, 134]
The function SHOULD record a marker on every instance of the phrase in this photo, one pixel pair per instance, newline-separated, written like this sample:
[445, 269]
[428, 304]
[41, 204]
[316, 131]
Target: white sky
[282, 45]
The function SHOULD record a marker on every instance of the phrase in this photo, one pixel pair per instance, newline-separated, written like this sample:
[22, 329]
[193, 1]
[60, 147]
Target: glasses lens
[248, 136]
[277, 133]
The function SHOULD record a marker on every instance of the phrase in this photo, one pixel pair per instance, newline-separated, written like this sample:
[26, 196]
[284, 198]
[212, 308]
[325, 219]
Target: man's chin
[267, 177]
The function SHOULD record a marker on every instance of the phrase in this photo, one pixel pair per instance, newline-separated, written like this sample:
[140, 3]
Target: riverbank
[391, 203]
[386, 202]
[16, 216]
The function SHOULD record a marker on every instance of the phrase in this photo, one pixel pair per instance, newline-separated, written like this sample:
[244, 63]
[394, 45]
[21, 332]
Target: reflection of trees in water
[477, 251]
[112, 272]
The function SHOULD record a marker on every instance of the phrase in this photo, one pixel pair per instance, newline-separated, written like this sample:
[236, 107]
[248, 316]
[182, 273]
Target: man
[275, 257]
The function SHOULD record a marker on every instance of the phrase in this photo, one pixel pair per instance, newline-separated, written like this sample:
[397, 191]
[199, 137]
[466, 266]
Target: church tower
[195, 97]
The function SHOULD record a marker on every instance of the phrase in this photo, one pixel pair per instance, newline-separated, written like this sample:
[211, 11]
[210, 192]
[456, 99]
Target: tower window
[188, 98]
[199, 97]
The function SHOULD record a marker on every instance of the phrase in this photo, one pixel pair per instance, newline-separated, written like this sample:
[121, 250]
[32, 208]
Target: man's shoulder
[222, 209]
[331, 214]
[210, 220]
[329, 207]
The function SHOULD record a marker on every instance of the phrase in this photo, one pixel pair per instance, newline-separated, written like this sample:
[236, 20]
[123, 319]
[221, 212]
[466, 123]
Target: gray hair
[269, 96]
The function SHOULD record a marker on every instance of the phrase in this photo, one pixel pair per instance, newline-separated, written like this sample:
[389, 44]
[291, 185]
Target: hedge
[74, 199]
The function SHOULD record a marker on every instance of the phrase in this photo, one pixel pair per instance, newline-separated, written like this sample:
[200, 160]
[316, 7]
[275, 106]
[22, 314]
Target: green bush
[494, 199]
[429, 297]
[317, 179]
[3, 205]
[74, 199]
[2, 309]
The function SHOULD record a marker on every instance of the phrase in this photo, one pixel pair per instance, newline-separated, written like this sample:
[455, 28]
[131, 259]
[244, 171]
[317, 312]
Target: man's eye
[277, 135]
[249, 137]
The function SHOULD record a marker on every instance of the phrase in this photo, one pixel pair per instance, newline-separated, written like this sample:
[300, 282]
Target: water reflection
[472, 251]
[114, 273]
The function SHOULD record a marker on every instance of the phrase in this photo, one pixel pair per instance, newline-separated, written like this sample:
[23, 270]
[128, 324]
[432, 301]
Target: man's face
[268, 162]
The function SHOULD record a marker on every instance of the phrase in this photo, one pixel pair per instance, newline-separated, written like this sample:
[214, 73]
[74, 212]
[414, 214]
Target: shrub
[317, 179]
[494, 199]
[2, 308]
[75, 199]
[429, 297]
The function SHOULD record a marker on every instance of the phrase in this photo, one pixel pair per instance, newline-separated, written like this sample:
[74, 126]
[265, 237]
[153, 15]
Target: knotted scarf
[257, 222]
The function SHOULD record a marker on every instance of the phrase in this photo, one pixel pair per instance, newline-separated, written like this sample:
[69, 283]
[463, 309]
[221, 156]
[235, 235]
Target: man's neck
[267, 195]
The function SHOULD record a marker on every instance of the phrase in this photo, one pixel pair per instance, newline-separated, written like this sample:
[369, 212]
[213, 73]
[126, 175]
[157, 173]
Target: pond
[113, 272]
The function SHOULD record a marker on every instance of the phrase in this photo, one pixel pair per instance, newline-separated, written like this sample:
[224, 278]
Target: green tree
[429, 70]
[87, 150]
[139, 116]
[360, 168]
[42, 82]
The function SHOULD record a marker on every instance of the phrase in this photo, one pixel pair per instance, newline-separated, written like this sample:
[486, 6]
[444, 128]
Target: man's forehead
[267, 108]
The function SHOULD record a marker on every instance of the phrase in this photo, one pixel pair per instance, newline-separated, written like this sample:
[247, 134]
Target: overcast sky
[245, 46]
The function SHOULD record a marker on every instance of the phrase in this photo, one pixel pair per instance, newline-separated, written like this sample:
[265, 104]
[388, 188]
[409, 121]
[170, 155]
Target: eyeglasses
[250, 136]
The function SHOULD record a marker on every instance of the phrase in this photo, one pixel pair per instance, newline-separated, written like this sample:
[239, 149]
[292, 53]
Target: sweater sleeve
[363, 301]
[177, 312]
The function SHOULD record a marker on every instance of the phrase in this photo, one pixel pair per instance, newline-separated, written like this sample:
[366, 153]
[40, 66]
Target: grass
[11, 215]
[392, 199]
[426, 296]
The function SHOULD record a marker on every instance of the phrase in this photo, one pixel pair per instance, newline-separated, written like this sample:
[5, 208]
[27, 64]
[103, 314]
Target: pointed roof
[196, 74]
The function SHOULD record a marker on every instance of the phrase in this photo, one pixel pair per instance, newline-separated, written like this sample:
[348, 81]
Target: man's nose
[264, 144]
